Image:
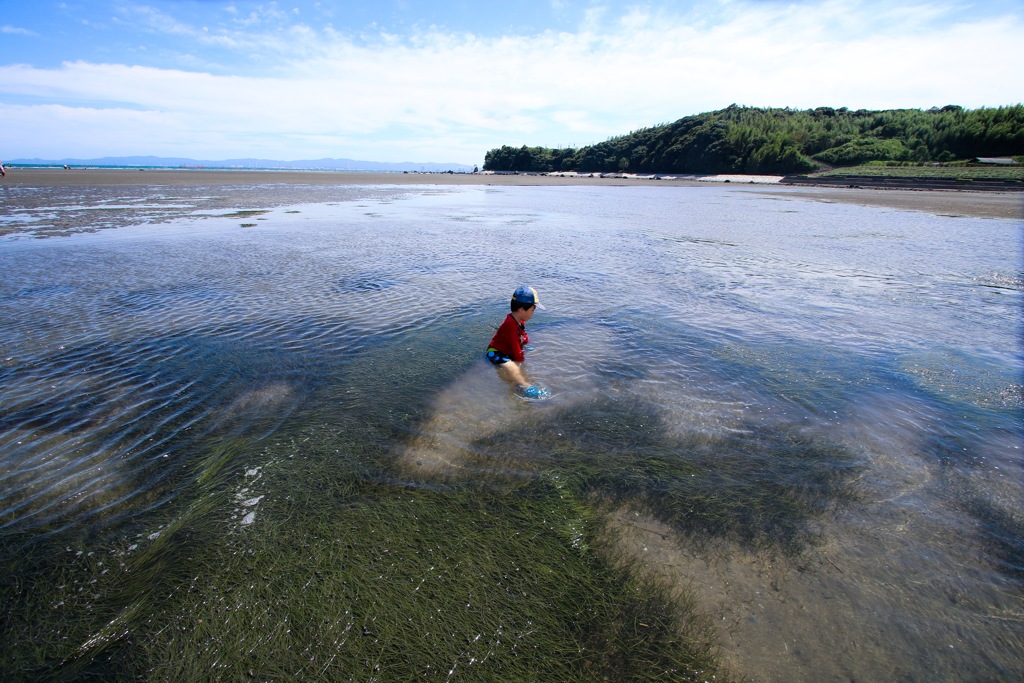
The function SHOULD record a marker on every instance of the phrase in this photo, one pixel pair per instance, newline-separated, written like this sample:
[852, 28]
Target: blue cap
[527, 295]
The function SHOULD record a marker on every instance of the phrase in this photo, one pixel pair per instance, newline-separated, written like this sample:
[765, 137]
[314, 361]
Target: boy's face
[524, 314]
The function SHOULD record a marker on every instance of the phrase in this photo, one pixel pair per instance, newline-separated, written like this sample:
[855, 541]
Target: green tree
[755, 140]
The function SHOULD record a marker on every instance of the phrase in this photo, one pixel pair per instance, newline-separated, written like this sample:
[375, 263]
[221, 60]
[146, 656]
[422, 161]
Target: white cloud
[450, 96]
[15, 30]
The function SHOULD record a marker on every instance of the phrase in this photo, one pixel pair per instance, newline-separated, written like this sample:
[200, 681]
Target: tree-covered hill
[780, 141]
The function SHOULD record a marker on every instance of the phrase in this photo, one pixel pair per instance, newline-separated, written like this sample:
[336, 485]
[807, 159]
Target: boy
[505, 351]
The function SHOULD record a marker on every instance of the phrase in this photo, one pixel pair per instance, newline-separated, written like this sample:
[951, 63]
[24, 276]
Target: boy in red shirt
[505, 351]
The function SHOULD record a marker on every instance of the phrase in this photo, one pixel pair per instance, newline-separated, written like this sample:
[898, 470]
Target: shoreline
[937, 201]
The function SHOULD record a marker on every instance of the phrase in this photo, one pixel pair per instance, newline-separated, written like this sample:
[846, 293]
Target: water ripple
[682, 328]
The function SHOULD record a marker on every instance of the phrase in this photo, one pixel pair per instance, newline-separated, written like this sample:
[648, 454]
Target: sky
[445, 81]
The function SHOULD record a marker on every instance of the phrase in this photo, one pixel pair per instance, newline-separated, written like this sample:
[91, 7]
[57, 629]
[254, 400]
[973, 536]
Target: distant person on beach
[3, 173]
[506, 350]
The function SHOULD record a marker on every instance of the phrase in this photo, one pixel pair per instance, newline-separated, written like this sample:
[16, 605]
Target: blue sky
[400, 80]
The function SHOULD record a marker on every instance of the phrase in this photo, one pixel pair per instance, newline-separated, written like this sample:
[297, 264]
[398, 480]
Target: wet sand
[941, 202]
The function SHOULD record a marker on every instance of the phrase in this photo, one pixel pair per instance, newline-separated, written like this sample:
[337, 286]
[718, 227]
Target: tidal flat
[248, 433]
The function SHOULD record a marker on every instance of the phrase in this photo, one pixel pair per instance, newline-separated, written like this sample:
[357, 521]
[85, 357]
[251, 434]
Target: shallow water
[847, 379]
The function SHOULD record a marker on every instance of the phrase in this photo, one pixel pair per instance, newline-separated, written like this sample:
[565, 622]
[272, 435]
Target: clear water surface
[728, 316]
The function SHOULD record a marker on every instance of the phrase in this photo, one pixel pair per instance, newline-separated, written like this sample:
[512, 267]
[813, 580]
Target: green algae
[375, 581]
[349, 570]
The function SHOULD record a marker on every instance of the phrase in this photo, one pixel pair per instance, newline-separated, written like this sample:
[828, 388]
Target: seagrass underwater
[248, 432]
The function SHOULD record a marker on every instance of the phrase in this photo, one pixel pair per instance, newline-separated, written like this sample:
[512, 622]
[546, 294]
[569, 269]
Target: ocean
[252, 428]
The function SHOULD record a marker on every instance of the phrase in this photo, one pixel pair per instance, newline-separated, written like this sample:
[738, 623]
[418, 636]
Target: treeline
[781, 141]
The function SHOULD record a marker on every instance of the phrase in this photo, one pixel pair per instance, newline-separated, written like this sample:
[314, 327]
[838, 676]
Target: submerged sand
[941, 202]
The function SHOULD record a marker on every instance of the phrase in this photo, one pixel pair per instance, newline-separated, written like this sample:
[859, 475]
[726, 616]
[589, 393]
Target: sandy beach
[941, 202]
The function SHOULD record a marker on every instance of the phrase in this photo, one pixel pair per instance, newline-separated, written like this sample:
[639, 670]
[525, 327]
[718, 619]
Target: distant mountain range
[307, 165]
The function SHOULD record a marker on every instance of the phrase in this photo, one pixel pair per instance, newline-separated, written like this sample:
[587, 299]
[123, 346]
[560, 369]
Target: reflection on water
[811, 412]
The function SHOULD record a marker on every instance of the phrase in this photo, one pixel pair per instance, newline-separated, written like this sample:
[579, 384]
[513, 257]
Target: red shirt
[510, 339]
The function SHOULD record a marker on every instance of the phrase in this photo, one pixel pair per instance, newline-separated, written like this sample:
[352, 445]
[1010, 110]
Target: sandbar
[941, 202]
